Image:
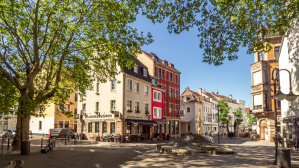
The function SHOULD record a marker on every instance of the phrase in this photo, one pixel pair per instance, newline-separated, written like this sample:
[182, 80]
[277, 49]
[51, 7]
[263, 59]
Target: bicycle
[49, 146]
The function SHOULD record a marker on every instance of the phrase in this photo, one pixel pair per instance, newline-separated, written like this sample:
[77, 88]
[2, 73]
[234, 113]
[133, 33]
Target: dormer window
[156, 59]
[172, 66]
[144, 72]
[136, 69]
[166, 63]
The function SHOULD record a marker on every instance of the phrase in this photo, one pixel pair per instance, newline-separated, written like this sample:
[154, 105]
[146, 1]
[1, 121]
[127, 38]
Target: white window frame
[131, 108]
[130, 84]
[158, 114]
[112, 85]
[98, 87]
[111, 107]
[158, 93]
[137, 89]
[135, 105]
[136, 69]
[146, 88]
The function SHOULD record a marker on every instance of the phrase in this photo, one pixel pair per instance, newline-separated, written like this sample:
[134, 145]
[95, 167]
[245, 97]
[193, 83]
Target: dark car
[61, 133]
[9, 133]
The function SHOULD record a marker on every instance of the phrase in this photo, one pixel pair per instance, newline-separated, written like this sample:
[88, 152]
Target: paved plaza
[90, 154]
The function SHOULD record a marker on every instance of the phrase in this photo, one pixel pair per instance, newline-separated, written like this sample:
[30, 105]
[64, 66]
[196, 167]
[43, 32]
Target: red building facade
[168, 79]
[157, 104]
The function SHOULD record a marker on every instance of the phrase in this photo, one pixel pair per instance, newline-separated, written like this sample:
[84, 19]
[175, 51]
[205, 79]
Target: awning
[160, 122]
[142, 122]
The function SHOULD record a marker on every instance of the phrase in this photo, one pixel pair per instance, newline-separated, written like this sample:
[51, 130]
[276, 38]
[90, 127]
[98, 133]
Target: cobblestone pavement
[91, 154]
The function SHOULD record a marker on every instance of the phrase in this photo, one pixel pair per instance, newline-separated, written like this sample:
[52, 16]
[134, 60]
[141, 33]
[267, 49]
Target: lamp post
[218, 125]
[280, 96]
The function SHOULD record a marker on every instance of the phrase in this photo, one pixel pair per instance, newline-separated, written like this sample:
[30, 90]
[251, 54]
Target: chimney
[200, 91]
[187, 88]
[212, 92]
[204, 91]
[230, 97]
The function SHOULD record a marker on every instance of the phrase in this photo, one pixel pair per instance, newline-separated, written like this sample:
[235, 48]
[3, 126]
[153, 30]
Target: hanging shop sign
[97, 116]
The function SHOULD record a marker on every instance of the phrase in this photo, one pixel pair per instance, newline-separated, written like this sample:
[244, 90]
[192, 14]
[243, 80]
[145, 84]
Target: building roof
[141, 67]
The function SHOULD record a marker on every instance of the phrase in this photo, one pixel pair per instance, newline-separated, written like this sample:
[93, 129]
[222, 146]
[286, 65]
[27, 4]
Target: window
[276, 52]
[146, 108]
[137, 87]
[159, 72]
[157, 113]
[170, 92]
[173, 127]
[97, 127]
[163, 74]
[68, 93]
[97, 106]
[157, 96]
[112, 128]
[257, 101]
[113, 105]
[129, 84]
[137, 107]
[84, 91]
[144, 72]
[104, 127]
[66, 124]
[60, 124]
[84, 108]
[170, 109]
[154, 81]
[75, 110]
[76, 97]
[257, 78]
[170, 76]
[188, 109]
[176, 93]
[98, 87]
[176, 79]
[136, 129]
[261, 56]
[90, 127]
[146, 88]
[136, 69]
[129, 105]
[40, 125]
[177, 109]
[113, 85]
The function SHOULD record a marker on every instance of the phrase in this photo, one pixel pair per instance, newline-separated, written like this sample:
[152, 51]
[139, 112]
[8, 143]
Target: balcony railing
[258, 107]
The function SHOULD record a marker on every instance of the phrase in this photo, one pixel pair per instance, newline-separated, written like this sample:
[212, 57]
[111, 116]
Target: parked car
[9, 133]
[61, 133]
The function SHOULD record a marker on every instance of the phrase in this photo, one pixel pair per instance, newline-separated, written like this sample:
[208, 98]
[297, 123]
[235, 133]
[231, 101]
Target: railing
[258, 107]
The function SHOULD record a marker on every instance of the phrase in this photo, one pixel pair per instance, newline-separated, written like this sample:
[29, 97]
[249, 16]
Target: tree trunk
[22, 131]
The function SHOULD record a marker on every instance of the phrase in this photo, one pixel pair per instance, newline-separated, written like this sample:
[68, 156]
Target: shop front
[99, 126]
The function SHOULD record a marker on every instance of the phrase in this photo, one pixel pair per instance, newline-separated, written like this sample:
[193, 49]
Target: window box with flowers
[146, 112]
[137, 111]
[111, 111]
[130, 111]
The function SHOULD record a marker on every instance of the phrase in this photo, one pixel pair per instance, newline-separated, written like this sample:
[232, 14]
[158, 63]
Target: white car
[9, 133]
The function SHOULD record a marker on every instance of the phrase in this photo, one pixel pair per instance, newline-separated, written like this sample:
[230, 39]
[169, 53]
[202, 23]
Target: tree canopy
[223, 112]
[238, 116]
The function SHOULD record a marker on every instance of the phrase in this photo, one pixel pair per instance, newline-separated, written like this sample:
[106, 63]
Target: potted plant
[130, 111]
[146, 112]
[96, 112]
[112, 111]
[137, 111]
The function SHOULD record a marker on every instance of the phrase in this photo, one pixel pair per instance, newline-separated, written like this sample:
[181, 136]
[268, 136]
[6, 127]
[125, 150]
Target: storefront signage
[134, 117]
[98, 116]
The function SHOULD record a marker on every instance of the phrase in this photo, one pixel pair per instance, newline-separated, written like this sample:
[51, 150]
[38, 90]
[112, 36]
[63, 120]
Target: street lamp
[218, 124]
[280, 96]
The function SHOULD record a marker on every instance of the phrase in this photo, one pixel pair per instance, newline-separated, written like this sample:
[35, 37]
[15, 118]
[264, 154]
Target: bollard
[8, 144]
[41, 143]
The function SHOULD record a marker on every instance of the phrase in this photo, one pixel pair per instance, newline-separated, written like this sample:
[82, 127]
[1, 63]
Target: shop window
[97, 127]
[66, 124]
[136, 129]
[90, 127]
[177, 127]
[128, 131]
[112, 128]
[104, 127]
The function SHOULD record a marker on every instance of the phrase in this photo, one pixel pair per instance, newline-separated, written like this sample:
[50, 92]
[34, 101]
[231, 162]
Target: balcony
[261, 65]
[258, 88]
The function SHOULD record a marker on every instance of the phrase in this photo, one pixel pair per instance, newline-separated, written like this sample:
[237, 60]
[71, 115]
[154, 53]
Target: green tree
[51, 48]
[249, 119]
[226, 25]
[223, 113]
[238, 117]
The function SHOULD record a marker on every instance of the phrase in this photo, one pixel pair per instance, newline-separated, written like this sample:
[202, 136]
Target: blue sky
[233, 77]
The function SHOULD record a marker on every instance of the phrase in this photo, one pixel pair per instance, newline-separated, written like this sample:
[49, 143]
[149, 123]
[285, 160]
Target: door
[262, 132]
[266, 133]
